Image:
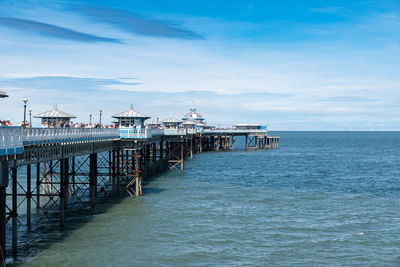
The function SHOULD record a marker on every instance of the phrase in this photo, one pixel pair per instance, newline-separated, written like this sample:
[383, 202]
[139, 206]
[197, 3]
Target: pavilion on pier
[171, 123]
[54, 117]
[131, 117]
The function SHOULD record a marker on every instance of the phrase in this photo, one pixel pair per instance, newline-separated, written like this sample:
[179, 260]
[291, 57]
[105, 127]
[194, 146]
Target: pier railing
[11, 140]
[139, 133]
[236, 131]
[178, 131]
[64, 135]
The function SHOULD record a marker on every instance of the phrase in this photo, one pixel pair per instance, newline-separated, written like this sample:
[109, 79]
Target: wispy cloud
[136, 24]
[65, 83]
[51, 30]
[346, 99]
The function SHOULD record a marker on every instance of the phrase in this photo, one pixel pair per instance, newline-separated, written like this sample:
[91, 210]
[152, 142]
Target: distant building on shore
[131, 117]
[54, 116]
[3, 94]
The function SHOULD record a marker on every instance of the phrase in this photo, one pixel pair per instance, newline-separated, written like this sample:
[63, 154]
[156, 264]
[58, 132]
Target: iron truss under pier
[52, 170]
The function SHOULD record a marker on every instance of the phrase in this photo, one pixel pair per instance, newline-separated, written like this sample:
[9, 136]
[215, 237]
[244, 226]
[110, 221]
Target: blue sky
[295, 65]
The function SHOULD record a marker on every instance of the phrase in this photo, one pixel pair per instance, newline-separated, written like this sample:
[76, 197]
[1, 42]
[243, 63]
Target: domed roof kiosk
[193, 115]
[131, 117]
[54, 116]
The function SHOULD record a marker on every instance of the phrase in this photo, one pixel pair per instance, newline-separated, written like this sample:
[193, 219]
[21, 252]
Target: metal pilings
[14, 211]
[93, 179]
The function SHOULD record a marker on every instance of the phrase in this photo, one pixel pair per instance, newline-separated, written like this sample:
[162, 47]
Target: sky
[293, 65]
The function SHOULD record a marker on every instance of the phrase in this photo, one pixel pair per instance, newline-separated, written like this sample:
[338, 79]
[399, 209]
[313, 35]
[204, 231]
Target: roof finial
[193, 109]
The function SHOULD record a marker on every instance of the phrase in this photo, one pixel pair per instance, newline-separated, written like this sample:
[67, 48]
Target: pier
[51, 169]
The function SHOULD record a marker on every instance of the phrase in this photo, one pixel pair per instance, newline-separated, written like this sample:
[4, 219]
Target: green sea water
[322, 199]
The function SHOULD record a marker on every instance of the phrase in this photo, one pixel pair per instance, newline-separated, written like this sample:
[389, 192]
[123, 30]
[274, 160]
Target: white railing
[238, 131]
[63, 135]
[11, 140]
[139, 133]
[178, 131]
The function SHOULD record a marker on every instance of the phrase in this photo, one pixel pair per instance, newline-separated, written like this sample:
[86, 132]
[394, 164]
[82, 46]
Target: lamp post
[30, 117]
[100, 110]
[25, 100]
[90, 116]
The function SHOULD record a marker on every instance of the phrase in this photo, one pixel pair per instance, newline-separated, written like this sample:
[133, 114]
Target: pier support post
[3, 218]
[247, 144]
[154, 158]
[118, 171]
[138, 190]
[182, 156]
[37, 185]
[73, 176]
[14, 212]
[62, 191]
[93, 179]
[161, 150]
[191, 148]
[28, 195]
[113, 172]
[3, 186]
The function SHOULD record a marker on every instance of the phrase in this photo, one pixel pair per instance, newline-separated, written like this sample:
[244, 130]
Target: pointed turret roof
[193, 114]
[54, 113]
[130, 114]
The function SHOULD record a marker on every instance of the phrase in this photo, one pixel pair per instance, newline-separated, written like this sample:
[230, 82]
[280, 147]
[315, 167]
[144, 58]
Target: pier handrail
[63, 135]
[175, 131]
[11, 140]
[139, 133]
[260, 131]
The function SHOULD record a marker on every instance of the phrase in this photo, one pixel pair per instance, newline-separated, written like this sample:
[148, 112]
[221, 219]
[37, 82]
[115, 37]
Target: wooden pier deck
[48, 168]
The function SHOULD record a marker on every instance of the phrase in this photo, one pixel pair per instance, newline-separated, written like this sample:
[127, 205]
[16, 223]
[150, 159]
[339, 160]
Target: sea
[321, 199]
